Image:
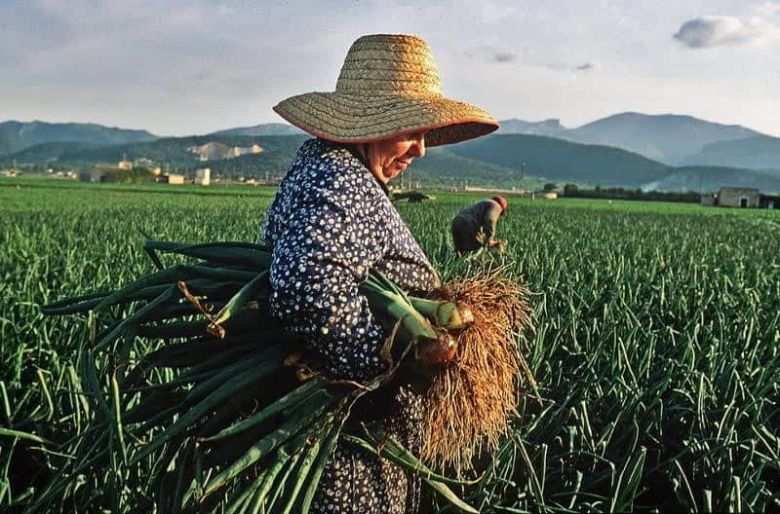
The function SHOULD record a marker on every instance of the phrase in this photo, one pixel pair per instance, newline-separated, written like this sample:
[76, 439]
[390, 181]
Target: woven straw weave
[389, 85]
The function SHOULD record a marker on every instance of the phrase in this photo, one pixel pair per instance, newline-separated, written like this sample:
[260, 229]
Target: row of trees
[619, 193]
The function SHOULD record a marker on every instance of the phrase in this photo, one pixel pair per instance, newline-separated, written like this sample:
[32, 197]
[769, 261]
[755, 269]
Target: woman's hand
[499, 245]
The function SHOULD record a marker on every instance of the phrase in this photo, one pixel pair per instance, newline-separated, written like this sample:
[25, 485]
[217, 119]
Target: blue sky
[180, 67]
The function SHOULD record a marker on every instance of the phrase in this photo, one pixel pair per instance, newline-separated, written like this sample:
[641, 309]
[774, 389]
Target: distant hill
[9, 141]
[759, 153]
[440, 166]
[173, 151]
[712, 178]
[48, 152]
[445, 167]
[559, 160]
[497, 160]
[17, 135]
[551, 127]
[265, 129]
[668, 138]
[565, 161]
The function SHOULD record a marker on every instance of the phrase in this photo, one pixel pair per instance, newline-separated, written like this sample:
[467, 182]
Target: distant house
[125, 165]
[709, 199]
[170, 178]
[544, 195]
[203, 176]
[743, 197]
[738, 197]
[769, 202]
[95, 175]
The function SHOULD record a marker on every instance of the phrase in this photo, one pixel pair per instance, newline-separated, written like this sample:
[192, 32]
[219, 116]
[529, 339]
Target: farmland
[656, 345]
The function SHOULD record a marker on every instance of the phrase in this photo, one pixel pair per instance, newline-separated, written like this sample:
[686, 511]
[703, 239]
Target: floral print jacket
[329, 224]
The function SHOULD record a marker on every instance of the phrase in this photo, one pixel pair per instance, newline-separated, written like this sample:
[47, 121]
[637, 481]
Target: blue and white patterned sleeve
[325, 251]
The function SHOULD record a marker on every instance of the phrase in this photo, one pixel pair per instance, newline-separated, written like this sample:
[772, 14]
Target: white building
[203, 176]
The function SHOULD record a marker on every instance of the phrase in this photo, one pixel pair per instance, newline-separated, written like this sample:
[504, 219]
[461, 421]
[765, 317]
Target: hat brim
[359, 119]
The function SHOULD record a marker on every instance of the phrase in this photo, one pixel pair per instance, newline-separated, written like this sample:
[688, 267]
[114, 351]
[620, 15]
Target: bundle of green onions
[199, 401]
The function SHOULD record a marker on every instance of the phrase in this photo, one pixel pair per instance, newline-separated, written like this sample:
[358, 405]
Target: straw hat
[388, 85]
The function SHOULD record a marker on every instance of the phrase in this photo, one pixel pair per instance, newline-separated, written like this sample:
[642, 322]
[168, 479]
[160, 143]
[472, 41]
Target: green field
[657, 340]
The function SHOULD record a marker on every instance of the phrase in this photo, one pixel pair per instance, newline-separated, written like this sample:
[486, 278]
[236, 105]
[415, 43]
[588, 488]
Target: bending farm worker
[332, 221]
[475, 226]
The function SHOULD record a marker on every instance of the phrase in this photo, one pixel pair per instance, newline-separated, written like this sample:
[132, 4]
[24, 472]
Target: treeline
[619, 193]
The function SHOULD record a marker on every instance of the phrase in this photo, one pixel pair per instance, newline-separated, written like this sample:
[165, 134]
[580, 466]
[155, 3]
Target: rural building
[170, 178]
[769, 202]
[173, 178]
[709, 199]
[96, 175]
[742, 197]
[203, 176]
[738, 197]
[125, 165]
[544, 195]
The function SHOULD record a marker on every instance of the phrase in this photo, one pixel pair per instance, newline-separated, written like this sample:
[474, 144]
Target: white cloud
[709, 31]
[766, 8]
[192, 66]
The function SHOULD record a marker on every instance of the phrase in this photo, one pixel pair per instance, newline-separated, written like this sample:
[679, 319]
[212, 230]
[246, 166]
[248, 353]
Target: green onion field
[656, 343]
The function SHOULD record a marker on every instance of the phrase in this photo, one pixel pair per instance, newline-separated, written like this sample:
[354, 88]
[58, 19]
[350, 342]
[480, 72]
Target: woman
[332, 221]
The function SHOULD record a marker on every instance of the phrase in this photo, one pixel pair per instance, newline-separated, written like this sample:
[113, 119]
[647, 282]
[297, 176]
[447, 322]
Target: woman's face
[389, 158]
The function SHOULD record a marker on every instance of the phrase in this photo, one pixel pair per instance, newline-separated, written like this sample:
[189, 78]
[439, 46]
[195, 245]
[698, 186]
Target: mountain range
[265, 129]
[759, 152]
[672, 139]
[665, 152]
[16, 135]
